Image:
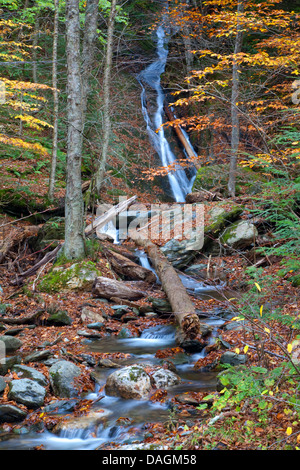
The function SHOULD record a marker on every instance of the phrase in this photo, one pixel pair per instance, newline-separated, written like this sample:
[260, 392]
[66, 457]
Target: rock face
[239, 235]
[62, 375]
[28, 392]
[134, 382]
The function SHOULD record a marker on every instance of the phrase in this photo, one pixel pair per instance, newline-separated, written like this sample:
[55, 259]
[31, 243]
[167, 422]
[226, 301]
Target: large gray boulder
[134, 381]
[28, 392]
[239, 235]
[62, 375]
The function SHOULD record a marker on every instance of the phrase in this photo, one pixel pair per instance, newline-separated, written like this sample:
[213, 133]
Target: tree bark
[74, 233]
[182, 306]
[88, 48]
[127, 268]
[106, 94]
[55, 103]
[235, 132]
[108, 288]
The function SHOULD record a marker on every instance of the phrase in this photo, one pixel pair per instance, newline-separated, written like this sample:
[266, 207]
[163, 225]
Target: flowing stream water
[144, 348]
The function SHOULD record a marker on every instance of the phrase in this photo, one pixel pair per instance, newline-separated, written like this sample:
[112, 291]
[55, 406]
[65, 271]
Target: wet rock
[93, 418]
[30, 373]
[11, 414]
[134, 382]
[2, 384]
[129, 382]
[11, 343]
[61, 406]
[165, 378]
[28, 392]
[160, 305]
[62, 375]
[126, 333]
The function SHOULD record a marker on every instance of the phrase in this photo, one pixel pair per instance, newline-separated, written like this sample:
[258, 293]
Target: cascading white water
[179, 182]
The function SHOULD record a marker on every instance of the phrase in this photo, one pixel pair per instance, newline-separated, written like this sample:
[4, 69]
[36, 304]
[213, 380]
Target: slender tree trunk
[106, 92]
[74, 246]
[88, 48]
[35, 43]
[235, 138]
[55, 103]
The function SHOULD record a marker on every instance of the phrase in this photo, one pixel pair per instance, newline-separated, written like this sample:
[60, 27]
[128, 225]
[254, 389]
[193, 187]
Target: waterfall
[179, 182]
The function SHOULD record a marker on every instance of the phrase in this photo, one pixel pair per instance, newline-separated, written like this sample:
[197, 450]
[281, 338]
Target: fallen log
[46, 259]
[108, 288]
[182, 306]
[127, 268]
[185, 143]
[102, 220]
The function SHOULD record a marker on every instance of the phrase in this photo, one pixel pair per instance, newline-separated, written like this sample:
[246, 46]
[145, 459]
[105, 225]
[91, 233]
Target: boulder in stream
[27, 392]
[62, 375]
[136, 381]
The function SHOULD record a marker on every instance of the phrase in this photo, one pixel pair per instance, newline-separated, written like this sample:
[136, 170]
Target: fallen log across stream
[182, 306]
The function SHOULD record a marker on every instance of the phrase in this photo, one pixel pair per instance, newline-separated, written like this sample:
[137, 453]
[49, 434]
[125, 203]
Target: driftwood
[182, 306]
[102, 220]
[46, 259]
[187, 146]
[14, 237]
[128, 269]
[108, 288]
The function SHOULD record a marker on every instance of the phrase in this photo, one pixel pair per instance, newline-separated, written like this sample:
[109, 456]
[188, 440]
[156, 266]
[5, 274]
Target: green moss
[79, 276]
[215, 177]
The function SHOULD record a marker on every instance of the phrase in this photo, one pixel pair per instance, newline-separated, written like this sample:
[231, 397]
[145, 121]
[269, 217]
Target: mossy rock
[215, 177]
[79, 277]
[220, 218]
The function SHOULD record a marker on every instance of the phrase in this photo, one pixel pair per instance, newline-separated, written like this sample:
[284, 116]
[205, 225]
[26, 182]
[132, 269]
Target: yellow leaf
[246, 348]
[289, 348]
[267, 330]
[237, 350]
[289, 431]
[258, 286]
[261, 310]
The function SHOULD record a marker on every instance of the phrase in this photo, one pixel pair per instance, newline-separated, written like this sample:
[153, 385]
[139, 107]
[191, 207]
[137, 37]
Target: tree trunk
[88, 47]
[74, 235]
[235, 138]
[182, 306]
[106, 94]
[55, 103]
